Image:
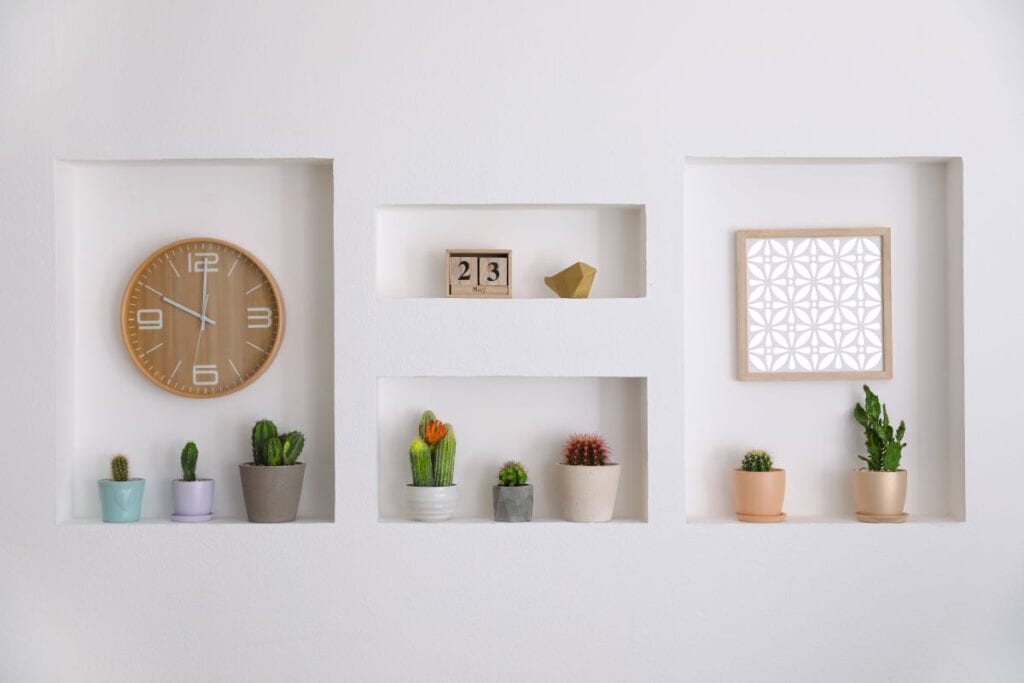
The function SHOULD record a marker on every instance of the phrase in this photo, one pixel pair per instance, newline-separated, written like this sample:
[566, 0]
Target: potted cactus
[758, 489]
[121, 495]
[193, 498]
[513, 497]
[432, 495]
[589, 481]
[880, 489]
[272, 482]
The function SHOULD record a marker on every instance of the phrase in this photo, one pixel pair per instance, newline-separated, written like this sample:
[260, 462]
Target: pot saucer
[192, 518]
[882, 519]
[763, 519]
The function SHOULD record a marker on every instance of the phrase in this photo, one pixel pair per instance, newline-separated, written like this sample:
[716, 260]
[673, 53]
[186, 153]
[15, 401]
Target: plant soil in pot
[589, 482]
[121, 496]
[880, 490]
[193, 498]
[433, 495]
[758, 489]
[272, 483]
[513, 497]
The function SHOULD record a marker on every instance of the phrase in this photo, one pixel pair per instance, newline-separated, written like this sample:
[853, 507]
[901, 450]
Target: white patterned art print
[814, 303]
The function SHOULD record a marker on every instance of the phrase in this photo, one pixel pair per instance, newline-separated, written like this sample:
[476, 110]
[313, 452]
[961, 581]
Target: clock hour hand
[186, 309]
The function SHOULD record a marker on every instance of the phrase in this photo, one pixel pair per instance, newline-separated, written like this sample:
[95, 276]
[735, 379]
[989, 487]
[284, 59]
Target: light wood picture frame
[814, 304]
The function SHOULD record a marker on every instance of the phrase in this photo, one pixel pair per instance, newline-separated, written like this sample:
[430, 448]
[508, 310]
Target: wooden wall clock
[202, 318]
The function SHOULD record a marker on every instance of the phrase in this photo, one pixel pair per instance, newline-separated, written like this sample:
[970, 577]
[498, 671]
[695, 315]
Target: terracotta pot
[193, 500]
[880, 494]
[513, 503]
[271, 493]
[431, 503]
[588, 491]
[759, 495]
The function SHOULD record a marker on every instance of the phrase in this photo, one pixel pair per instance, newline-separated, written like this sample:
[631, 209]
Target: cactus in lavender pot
[189, 458]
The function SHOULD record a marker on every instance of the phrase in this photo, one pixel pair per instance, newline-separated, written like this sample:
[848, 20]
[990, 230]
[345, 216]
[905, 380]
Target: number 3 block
[478, 272]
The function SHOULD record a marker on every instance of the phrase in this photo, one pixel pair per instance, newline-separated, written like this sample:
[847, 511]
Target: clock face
[202, 318]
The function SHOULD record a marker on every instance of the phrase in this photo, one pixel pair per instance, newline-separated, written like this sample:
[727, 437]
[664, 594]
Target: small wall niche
[513, 418]
[544, 239]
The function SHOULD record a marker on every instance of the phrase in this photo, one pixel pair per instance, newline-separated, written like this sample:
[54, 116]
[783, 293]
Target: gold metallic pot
[880, 494]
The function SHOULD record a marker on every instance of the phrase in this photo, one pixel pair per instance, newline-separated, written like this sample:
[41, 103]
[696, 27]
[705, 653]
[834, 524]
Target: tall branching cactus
[586, 449]
[756, 461]
[268, 448]
[432, 455]
[189, 458]
[119, 468]
[885, 445]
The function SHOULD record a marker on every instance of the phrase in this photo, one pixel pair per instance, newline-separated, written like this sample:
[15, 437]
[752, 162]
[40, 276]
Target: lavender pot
[193, 500]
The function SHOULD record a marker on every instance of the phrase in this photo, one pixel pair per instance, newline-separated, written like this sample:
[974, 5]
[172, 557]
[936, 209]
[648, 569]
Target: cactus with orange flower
[432, 455]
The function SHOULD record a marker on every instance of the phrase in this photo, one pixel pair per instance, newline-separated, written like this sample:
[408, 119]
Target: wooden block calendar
[478, 272]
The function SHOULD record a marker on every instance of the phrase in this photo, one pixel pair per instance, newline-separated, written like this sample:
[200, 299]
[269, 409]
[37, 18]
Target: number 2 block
[463, 271]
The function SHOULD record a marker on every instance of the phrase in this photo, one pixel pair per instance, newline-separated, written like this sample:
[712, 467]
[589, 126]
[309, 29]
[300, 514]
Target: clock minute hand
[186, 309]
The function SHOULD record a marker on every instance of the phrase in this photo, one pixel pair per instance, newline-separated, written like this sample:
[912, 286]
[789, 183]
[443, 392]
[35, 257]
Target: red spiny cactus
[586, 449]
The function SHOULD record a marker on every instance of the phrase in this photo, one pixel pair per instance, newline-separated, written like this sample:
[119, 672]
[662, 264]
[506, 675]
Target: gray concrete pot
[513, 503]
[271, 493]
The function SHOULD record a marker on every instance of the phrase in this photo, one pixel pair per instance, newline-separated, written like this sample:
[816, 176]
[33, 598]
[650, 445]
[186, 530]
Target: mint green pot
[121, 500]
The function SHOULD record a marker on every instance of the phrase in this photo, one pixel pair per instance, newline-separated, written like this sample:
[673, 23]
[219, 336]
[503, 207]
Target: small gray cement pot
[513, 503]
[271, 493]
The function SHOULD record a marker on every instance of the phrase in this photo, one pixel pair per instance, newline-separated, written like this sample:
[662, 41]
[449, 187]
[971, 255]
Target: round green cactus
[512, 473]
[757, 461]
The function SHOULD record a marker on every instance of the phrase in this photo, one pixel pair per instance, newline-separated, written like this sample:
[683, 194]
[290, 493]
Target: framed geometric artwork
[814, 303]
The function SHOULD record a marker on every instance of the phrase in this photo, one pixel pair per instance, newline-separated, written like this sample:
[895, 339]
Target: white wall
[473, 103]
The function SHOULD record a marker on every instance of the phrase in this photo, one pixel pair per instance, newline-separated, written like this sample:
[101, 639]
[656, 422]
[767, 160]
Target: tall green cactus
[274, 452]
[291, 446]
[444, 459]
[426, 418]
[884, 445]
[189, 458]
[119, 468]
[419, 458]
[262, 432]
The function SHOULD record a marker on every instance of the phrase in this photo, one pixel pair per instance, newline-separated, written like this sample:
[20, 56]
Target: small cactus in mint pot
[119, 468]
[756, 461]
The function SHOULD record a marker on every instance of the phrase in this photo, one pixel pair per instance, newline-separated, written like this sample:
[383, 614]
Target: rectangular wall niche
[112, 215]
[544, 239]
[514, 418]
[808, 426]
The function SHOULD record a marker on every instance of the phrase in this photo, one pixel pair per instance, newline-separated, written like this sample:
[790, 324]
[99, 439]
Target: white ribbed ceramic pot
[431, 503]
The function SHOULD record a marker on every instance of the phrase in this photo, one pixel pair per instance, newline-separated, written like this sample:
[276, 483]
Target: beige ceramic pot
[271, 494]
[588, 491]
[880, 495]
[759, 495]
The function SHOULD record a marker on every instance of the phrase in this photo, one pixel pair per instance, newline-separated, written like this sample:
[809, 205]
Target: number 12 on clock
[478, 272]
